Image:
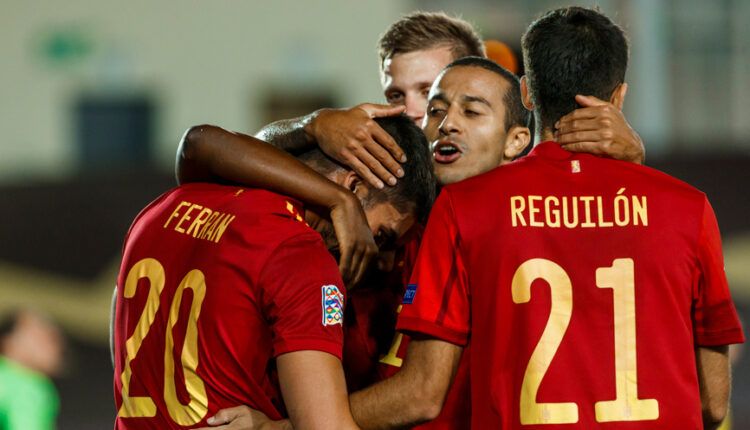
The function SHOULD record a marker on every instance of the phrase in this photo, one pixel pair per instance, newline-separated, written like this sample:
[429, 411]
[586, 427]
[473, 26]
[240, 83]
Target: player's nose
[415, 110]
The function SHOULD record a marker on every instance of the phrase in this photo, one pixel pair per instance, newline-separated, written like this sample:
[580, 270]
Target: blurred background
[95, 96]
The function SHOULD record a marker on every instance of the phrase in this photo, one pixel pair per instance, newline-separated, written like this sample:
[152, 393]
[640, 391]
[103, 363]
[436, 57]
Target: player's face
[407, 78]
[388, 225]
[465, 123]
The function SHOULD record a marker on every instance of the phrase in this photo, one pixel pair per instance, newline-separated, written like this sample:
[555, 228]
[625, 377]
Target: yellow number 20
[197, 408]
[626, 406]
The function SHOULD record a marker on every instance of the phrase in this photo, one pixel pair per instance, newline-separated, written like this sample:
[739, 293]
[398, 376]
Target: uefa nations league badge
[333, 305]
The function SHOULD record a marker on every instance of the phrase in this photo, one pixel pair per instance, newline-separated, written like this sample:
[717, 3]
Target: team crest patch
[333, 305]
[411, 291]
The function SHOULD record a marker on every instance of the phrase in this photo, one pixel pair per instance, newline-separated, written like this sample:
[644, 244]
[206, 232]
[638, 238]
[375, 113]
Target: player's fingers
[584, 136]
[579, 114]
[345, 263]
[579, 125]
[364, 172]
[587, 147]
[367, 156]
[364, 259]
[374, 166]
[386, 141]
[356, 270]
[391, 166]
[226, 415]
[374, 110]
[590, 101]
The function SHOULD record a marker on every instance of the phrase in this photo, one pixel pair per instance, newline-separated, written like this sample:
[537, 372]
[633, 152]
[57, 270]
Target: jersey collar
[550, 149]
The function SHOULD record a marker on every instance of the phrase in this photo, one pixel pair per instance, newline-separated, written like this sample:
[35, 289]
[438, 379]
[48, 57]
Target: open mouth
[445, 152]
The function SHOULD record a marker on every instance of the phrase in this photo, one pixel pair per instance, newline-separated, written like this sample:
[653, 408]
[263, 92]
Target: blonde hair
[424, 30]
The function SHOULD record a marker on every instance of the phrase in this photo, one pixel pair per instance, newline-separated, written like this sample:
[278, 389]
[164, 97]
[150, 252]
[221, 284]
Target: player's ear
[525, 96]
[618, 95]
[352, 182]
[516, 141]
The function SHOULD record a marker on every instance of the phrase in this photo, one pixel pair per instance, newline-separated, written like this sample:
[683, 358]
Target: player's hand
[356, 244]
[354, 139]
[244, 418]
[599, 128]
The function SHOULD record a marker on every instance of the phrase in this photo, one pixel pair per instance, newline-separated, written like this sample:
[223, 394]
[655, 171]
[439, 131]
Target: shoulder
[654, 179]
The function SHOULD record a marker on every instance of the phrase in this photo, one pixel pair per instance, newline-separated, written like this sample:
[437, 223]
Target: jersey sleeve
[436, 302]
[715, 317]
[303, 297]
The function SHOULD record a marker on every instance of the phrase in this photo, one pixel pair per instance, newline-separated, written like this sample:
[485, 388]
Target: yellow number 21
[620, 278]
[197, 408]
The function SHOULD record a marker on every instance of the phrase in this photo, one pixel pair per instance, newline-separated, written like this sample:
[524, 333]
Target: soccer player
[412, 52]
[591, 291]
[228, 295]
[475, 105]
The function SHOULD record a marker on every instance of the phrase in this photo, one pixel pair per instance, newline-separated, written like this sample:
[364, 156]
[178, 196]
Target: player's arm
[714, 377]
[209, 153]
[600, 128]
[350, 136]
[413, 395]
[314, 390]
[715, 321]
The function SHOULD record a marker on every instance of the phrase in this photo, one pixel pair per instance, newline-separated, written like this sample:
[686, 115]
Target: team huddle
[407, 266]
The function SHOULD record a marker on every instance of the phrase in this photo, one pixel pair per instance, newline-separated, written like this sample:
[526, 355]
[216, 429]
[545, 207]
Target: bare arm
[212, 154]
[714, 380]
[314, 390]
[415, 394]
[349, 136]
[290, 135]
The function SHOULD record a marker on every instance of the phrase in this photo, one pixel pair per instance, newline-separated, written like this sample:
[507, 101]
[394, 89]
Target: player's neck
[547, 135]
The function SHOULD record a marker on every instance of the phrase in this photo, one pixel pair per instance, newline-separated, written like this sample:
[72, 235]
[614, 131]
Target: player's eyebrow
[439, 97]
[477, 99]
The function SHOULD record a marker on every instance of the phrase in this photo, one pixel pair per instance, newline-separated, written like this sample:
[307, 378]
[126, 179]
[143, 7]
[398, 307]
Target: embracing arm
[714, 380]
[350, 136]
[212, 154]
[413, 395]
[600, 128]
[314, 390]
[290, 135]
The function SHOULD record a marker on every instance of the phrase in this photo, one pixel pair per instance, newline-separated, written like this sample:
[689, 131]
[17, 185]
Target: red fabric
[456, 413]
[676, 286]
[264, 279]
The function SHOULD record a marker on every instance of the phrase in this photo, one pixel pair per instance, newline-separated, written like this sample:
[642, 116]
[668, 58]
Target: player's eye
[469, 112]
[435, 111]
[395, 98]
[385, 240]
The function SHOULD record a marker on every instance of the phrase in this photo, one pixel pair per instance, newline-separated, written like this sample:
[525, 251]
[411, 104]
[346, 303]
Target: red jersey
[583, 286]
[371, 312]
[215, 283]
[456, 412]
[374, 351]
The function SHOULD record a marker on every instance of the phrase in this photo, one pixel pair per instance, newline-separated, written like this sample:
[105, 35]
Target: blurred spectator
[31, 352]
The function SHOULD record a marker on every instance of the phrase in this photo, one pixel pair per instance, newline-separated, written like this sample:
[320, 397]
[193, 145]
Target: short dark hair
[417, 189]
[515, 112]
[569, 51]
[425, 30]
